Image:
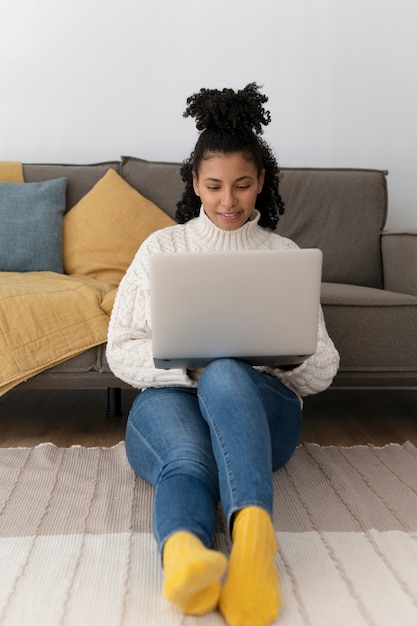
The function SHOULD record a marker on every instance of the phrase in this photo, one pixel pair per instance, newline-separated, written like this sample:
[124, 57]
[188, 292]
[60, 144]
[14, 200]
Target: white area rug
[76, 546]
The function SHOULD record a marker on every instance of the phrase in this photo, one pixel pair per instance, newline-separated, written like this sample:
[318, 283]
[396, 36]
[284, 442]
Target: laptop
[258, 306]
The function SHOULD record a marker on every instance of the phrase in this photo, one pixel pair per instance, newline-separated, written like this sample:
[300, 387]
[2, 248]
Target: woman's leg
[168, 444]
[255, 423]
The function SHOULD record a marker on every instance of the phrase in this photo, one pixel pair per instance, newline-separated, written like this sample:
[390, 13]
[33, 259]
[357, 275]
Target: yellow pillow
[103, 231]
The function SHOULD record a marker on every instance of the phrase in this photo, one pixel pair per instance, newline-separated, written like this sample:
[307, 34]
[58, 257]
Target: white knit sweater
[129, 345]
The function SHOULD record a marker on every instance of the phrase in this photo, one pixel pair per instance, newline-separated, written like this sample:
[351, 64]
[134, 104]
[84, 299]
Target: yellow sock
[251, 594]
[192, 574]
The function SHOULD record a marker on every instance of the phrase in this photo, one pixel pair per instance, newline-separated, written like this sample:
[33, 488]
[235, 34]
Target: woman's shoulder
[163, 240]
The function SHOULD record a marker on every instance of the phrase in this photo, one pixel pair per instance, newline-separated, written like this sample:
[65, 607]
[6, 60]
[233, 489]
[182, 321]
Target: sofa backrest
[81, 178]
[340, 211]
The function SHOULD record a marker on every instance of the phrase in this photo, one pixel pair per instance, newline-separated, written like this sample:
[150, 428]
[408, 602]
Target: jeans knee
[224, 371]
[223, 365]
[191, 467]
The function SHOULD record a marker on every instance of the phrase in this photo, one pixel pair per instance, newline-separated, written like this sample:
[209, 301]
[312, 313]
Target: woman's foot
[192, 574]
[251, 595]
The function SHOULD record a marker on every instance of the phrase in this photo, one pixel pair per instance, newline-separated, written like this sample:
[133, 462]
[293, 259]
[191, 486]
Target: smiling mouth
[230, 215]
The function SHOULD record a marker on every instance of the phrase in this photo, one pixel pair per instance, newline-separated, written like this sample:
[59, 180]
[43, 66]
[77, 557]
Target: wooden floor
[334, 417]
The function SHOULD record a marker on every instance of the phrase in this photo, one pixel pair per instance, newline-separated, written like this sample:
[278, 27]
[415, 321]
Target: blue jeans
[220, 441]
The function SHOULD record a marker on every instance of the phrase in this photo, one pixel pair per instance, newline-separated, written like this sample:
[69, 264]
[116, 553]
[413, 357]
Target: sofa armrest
[399, 258]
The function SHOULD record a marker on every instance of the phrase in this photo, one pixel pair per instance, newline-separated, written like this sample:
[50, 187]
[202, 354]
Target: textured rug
[76, 547]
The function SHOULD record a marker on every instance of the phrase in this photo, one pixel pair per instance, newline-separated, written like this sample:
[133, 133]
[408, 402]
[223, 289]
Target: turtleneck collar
[211, 237]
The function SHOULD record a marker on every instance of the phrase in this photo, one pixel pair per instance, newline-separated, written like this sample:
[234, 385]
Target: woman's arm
[316, 373]
[129, 343]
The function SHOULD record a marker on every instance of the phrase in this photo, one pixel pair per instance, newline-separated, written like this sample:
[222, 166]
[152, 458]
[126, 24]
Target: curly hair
[231, 122]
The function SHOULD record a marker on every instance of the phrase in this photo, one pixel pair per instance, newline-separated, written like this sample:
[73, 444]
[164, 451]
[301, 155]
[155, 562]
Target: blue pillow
[31, 222]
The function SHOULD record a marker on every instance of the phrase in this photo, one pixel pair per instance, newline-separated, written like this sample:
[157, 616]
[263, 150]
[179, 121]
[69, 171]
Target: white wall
[89, 80]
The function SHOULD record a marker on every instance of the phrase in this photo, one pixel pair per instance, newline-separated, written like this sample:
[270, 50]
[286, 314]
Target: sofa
[369, 288]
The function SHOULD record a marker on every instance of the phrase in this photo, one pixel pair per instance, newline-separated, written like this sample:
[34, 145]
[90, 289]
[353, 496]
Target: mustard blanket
[11, 172]
[47, 318]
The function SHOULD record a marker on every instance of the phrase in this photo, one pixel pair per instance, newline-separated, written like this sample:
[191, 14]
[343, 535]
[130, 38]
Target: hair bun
[229, 111]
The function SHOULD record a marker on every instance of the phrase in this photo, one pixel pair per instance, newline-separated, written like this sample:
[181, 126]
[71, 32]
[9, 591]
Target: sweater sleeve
[316, 373]
[129, 343]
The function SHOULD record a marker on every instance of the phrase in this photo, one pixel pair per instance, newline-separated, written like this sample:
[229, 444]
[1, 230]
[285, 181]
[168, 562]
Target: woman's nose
[228, 199]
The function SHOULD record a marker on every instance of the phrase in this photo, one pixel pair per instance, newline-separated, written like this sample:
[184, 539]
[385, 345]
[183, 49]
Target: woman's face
[227, 185]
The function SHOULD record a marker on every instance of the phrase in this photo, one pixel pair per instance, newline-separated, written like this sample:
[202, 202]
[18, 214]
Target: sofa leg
[114, 402]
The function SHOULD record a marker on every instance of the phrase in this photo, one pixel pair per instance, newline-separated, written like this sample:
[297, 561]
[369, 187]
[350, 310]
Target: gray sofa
[369, 292]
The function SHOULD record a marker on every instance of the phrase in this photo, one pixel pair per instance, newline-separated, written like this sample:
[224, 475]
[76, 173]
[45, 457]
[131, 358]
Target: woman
[200, 436]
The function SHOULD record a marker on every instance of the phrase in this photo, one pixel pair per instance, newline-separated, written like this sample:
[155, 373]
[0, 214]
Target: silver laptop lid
[258, 306]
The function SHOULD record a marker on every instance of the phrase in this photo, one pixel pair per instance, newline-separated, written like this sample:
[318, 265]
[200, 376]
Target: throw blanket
[11, 172]
[47, 318]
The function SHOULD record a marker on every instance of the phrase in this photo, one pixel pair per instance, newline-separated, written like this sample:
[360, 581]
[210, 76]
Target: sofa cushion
[31, 218]
[373, 329]
[158, 181]
[81, 178]
[104, 230]
[342, 212]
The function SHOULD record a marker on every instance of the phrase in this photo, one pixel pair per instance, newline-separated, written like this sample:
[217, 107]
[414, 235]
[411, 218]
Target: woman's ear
[261, 180]
[195, 184]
